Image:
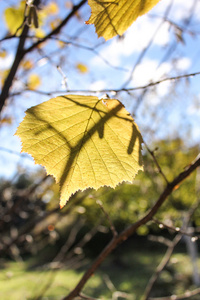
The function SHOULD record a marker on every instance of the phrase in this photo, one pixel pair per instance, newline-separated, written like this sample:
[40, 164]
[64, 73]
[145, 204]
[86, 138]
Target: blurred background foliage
[31, 219]
[56, 244]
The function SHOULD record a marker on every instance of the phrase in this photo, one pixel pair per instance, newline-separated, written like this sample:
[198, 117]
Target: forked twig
[156, 162]
[112, 227]
[186, 295]
[161, 266]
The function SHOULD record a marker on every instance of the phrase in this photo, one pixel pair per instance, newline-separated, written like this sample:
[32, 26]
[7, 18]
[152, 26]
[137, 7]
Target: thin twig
[111, 90]
[161, 266]
[15, 153]
[83, 296]
[186, 295]
[156, 162]
[175, 229]
[112, 227]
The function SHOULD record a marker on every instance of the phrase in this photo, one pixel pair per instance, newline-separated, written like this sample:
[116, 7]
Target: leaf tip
[61, 206]
[63, 202]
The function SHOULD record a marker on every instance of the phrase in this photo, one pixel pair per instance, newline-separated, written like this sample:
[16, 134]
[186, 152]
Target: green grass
[128, 271]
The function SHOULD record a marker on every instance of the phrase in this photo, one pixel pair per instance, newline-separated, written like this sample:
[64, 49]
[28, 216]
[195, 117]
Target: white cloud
[136, 38]
[5, 63]
[194, 108]
[183, 63]
[182, 9]
[97, 85]
[178, 10]
[149, 71]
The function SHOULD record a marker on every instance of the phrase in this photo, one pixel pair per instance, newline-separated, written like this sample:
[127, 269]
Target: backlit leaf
[83, 142]
[113, 17]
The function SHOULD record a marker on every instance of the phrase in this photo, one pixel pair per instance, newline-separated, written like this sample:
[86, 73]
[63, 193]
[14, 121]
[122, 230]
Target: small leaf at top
[113, 17]
[83, 142]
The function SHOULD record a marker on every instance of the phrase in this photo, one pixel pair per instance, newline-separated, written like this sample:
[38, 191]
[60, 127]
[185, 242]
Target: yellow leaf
[113, 17]
[52, 8]
[39, 33]
[14, 17]
[3, 76]
[61, 44]
[27, 65]
[6, 120]
[54, 23]
[33, 81]
[82, 68]
[3, 53]
[83, 142]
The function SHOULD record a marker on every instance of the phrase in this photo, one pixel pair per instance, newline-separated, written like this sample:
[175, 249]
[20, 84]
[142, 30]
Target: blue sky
[168, 110]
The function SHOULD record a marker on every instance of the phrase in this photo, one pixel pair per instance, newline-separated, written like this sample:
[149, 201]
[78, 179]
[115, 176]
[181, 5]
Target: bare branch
[130, 230]
[18, 57]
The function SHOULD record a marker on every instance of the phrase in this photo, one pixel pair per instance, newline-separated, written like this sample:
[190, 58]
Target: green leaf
[83, 142]
[113, 17]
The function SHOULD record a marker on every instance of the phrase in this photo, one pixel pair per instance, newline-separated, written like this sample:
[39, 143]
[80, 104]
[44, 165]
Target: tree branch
[18, 57]
[21, 52]
[130, 230]
[58, 28]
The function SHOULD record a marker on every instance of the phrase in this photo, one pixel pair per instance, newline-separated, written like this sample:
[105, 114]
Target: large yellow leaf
[83, 142]
[113, 17]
